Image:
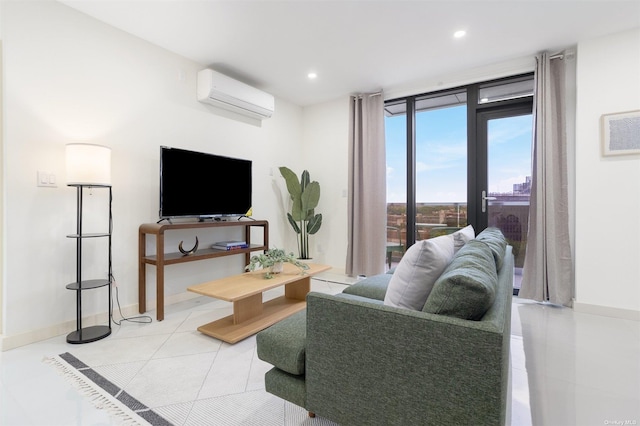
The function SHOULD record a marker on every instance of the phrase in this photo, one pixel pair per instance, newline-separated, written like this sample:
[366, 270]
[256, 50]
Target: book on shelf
[230, 245]
[243, 246]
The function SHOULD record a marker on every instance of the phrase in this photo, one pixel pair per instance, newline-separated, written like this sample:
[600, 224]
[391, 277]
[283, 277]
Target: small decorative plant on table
[273, 260]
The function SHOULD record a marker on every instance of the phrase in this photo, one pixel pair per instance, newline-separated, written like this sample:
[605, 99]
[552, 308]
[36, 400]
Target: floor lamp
[88, 166]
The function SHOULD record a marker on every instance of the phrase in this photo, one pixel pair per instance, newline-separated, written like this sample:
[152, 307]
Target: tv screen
[201, 185]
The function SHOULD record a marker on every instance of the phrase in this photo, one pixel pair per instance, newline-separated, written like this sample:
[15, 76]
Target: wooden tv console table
[250, 314]
[162, 259]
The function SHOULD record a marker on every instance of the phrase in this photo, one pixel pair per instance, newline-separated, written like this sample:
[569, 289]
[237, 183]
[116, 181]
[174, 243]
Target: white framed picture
[621, 133]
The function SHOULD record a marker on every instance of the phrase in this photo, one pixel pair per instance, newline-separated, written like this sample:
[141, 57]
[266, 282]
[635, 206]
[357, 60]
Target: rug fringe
[98, 397]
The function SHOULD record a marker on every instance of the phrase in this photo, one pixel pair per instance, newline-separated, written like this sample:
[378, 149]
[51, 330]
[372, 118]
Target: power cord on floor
[140, 319]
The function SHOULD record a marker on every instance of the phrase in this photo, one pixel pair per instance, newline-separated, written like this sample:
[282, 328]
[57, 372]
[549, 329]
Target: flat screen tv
[200, 185]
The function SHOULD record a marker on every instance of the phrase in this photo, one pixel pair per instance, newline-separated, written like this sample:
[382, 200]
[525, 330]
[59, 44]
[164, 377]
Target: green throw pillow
[467, 287]
[374, 287]
[496, 241]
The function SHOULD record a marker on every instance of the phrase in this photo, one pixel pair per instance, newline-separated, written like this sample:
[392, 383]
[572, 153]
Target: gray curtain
[547, 272]
[367, 186]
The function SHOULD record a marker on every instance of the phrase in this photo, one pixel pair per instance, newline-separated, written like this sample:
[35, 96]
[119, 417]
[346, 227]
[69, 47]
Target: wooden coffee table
[250, 314]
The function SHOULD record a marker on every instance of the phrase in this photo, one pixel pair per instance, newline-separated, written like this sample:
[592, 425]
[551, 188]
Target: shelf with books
[161, 259]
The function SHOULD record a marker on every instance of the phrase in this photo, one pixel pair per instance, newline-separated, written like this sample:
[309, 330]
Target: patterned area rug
[255, 407]
[104, 394]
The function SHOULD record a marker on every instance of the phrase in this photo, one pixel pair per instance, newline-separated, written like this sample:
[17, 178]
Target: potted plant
[273, 261]
[305, 196]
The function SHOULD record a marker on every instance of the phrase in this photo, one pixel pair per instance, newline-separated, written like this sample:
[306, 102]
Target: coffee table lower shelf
[272, 311]
[250, 313]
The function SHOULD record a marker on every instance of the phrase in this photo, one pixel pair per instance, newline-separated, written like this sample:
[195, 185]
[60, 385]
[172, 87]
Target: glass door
[507, 136]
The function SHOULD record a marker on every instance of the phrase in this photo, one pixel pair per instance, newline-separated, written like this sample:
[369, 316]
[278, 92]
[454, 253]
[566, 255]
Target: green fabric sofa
[351, 359]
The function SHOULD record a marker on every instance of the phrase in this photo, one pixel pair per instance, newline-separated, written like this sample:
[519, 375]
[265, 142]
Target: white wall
[1, 181]
[68, 77]
[324, 154]
[607, 188]
[325, 134]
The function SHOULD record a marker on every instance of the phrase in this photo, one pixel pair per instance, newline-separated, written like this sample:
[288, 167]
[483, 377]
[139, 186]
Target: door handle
[484, 201]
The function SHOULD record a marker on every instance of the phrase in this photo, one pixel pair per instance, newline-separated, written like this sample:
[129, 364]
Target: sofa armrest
[367, 363]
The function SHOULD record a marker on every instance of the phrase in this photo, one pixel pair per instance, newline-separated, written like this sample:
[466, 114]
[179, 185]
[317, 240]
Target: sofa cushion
[374, 287]
[417, 271]
[496, 242]
[462, 237]
[283, 344]
[467, 287]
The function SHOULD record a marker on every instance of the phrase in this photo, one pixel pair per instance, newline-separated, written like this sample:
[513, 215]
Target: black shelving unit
[96, 332]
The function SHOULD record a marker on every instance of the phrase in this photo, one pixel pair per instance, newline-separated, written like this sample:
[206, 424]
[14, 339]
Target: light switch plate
[47, 179]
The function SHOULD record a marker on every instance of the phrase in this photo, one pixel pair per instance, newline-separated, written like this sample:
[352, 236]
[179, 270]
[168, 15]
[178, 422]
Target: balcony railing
[509, 214]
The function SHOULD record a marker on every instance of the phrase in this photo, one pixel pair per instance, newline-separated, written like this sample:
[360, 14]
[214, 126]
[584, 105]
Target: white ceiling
[360, 45]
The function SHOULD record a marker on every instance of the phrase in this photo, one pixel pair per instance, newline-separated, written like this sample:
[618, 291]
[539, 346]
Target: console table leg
[160, 277]
[142, 273]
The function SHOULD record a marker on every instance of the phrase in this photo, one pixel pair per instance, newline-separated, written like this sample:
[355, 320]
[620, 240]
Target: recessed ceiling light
[459, 33]
[312, 76]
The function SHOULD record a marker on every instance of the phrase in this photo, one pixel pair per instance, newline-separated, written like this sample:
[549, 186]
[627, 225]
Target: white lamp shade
[88, 164]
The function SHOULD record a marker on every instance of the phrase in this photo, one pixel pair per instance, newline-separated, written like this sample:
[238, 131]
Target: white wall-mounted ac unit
[224, 92]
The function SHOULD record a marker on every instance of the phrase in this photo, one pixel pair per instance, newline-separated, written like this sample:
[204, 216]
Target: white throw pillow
[417, 271]
[462, 237]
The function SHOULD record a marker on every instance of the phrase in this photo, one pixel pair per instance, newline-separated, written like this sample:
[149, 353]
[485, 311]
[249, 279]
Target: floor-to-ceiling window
[458, 157]
[441, 164]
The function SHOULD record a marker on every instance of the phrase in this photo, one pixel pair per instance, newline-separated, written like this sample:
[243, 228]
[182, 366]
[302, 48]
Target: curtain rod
[371, 95]
[567, 54]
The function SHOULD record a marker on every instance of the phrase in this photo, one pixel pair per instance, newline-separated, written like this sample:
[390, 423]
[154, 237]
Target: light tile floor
[568, 368]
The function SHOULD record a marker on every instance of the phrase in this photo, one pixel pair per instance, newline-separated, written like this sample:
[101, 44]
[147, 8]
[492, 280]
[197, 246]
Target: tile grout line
[204, 379]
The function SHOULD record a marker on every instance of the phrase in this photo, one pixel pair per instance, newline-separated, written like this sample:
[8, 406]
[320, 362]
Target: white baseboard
[606, 311]
[335, 275]
[22, 339]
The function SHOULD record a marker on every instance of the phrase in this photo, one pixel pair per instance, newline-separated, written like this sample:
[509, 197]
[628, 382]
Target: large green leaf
[291, 179]
[304, 180]
[310, 196]
[314, 224]
[296, 208]
[293, 223]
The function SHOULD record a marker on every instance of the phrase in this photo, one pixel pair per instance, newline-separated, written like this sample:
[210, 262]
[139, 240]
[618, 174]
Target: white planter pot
[277, 268]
